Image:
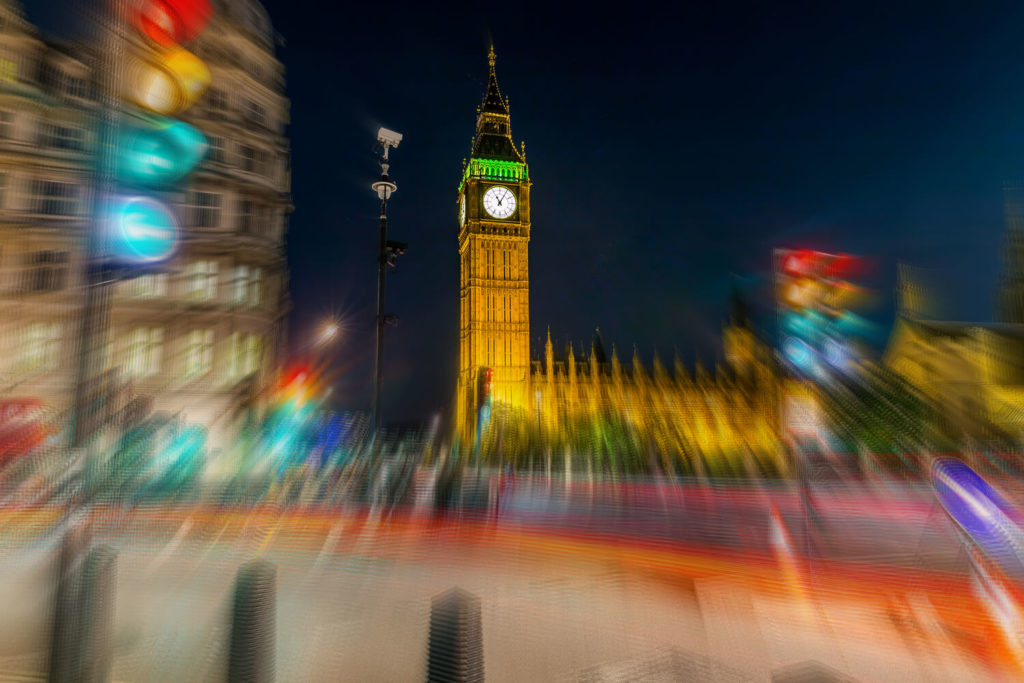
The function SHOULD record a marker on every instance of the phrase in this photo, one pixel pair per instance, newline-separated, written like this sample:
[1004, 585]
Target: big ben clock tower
[493, 207]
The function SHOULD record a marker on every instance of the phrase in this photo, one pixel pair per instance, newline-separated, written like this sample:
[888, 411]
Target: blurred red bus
[25, 425]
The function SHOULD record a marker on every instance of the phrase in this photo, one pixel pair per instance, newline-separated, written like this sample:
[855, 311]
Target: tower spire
[493, 139]
[493, 102]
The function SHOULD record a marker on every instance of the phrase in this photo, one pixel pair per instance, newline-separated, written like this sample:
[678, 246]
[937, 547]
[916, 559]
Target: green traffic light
[157, 152]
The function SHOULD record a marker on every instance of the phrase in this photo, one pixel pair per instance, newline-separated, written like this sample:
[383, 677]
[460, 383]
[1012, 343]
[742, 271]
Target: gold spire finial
[491, 56]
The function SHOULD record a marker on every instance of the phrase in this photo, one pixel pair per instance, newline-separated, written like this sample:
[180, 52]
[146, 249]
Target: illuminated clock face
[462, 211]
[499, 202]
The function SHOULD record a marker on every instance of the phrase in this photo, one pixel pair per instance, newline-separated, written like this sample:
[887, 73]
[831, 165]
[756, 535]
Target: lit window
[202, 280]
[240, 290]
[253, 353]
[199, 353]
[8, 70]
[246, 355]
[255, 287]
[150, 286]
[41, 347]
[144, 351]
[247, 285]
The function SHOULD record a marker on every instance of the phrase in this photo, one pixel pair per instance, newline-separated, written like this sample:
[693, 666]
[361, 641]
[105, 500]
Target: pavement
[715, 589]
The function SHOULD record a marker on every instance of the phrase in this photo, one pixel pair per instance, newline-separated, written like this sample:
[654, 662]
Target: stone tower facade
[494, 234]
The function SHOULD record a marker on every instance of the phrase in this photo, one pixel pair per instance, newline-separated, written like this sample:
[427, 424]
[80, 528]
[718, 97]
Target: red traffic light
[295, 376]
[173, 22]
[816, 264]
[484, 386]
[801, 263]
[844, 266]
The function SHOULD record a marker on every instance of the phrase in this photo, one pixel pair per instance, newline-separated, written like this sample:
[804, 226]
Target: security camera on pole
[386, 257]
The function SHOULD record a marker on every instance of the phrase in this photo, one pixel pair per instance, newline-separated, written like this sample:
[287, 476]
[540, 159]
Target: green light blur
[495, 169]
[158, 152]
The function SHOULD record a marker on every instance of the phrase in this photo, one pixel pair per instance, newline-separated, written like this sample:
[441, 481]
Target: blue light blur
[983, 514]
[800, 354]
[141, 230]
[835, 353]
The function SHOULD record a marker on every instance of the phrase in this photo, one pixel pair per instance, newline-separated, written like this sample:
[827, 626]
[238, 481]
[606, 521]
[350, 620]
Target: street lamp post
[384, 188]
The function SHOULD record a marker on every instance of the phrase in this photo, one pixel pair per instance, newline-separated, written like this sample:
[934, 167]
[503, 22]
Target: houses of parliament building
[584, 401]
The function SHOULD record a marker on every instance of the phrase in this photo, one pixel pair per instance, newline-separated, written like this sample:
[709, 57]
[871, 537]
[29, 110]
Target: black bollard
[251, 659]
[455, 650]
[96, 630]
[65, 654]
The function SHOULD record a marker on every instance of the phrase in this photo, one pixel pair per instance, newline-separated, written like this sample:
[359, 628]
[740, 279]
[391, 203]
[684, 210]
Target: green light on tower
[495, 169]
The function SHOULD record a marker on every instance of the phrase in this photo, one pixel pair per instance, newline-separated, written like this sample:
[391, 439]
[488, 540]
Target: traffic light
[153, 153]
[296, 385]
[171, 22]
[813, 295]
[484, 387]
[169, 84]
[143, 228]
[164, 77]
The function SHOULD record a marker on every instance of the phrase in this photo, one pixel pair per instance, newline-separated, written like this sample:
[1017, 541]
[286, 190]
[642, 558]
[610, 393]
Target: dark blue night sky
[671, 147]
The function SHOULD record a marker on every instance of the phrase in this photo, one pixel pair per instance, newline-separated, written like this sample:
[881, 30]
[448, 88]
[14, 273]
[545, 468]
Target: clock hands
[494, 202]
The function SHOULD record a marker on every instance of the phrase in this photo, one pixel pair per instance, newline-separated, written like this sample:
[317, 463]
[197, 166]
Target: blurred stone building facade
[202, 335]
[672, 420]
[972, 371]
